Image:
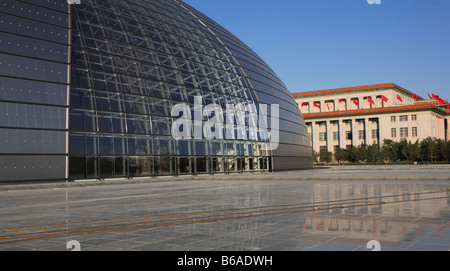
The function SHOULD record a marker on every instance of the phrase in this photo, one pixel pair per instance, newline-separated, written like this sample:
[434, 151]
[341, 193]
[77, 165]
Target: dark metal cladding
[34, 65]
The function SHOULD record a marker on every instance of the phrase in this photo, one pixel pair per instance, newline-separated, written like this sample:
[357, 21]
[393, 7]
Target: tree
[373, 153]
[315, 156]
[341, 155]
[411, 151]
[428, 148]
[400, 148]
[352, 154]
[361, 153]
[443, 150]
[387, 151]
[325, 156]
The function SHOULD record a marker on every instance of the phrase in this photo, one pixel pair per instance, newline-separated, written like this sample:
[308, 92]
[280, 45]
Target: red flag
[384, 98]
[434, 96]
[341, 100]
[415, 97]
[304, 104]
[328, 107]
[440, 100]
[448, 105]
[316, 105]
[429, 96]
[355, 102]
[399, 98]
[370, 100]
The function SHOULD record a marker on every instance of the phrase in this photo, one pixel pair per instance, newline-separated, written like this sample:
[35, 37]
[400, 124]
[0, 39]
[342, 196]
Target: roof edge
[353, 89]
[372, 111]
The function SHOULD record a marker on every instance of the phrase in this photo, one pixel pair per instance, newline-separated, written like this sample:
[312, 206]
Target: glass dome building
[91, 89]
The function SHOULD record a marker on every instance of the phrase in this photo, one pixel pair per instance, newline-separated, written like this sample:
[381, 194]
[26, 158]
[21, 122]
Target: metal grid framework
[104, 109]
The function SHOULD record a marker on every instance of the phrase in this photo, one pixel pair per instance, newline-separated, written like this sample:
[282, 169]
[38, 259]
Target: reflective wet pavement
[237, 213]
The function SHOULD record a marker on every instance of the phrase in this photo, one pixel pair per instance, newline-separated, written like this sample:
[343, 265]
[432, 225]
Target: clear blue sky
[322, 44]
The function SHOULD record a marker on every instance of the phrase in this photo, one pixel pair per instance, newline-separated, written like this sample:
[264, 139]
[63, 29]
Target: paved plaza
[403, 207]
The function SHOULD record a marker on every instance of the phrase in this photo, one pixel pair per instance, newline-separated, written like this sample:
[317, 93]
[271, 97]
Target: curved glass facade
[132, 62]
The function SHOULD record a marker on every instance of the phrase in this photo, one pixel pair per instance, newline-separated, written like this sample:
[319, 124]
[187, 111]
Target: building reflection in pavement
[391, 214]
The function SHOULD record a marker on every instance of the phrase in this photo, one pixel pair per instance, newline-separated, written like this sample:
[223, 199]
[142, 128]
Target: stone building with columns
[345, 117]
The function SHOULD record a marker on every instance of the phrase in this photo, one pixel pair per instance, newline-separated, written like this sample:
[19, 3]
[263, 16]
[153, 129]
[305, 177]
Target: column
[329, 137]
[380, 140]
[354, 134]
[366, 131]
[341, 134]
[313, 135]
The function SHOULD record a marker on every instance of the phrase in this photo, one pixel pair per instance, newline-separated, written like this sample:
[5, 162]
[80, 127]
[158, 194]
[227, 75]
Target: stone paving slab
[359, 173]
[290, 211]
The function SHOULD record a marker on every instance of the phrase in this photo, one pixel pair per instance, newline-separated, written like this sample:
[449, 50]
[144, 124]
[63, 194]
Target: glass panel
[202, 166]
[81, 120]
[165, 166]
[200, 148]
[144, 168]
[109, 101]
[91, 167]
[106, 144]
[139, 146]
[137, 124]
[82, 144]
[77, 167]
[216, 165]
[134, 166]
[107, 167]
[163, 146]
[111, 122]
[81, 98]
[120, 166]
[185, 165]
[184, 147]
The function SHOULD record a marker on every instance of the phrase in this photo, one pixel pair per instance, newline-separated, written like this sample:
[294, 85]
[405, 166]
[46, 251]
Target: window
[393, 119]
[349, 136]
[404, 118]
[414, 131]
[374, 134]
[335, 135]
[393, 132]
[414, 117]
[323, 136]
[323, 148]
[404, 132]
[361, 134]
